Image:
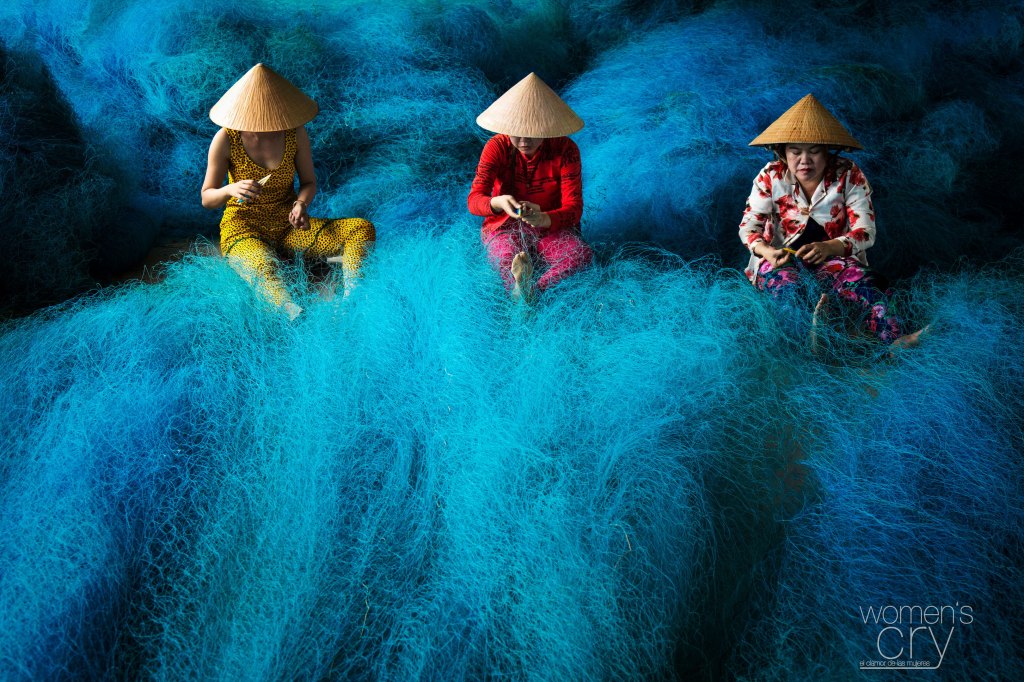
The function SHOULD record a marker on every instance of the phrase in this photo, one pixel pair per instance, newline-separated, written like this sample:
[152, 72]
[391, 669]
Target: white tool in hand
[261, 182]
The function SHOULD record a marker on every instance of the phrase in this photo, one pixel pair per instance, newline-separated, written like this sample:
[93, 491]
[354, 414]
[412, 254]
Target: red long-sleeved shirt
[551, 179]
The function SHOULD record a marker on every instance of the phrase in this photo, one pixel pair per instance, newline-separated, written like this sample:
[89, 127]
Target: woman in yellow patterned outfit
[260, 148]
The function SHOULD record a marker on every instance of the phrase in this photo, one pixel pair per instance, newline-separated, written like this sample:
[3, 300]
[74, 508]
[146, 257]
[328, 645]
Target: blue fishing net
[649, 474]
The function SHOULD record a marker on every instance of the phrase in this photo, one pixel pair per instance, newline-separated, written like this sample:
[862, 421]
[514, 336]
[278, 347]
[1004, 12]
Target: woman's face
[528, 146]
[807, 162]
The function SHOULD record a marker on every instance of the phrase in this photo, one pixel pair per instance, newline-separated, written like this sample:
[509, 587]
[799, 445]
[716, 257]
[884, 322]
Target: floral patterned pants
[851, 281]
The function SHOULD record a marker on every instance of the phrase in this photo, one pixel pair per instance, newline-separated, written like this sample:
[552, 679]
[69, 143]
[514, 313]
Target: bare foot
[911, 340]
[351, 277]
[328, 289]
[522, 271]
[817, 320]
[522, 267]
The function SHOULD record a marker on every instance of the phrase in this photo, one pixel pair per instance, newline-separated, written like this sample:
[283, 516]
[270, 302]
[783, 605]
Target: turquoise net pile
[646, 476]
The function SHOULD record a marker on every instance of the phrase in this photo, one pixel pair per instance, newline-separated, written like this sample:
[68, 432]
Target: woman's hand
[533, 216]
[816, 253]
[506, 203]
[777, 257]
[244, 190]
[298, 217]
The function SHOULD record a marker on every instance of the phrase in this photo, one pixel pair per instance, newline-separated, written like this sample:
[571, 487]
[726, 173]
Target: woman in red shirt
[528, 187]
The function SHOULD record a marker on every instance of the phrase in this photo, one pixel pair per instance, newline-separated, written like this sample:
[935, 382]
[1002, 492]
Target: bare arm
[299, 216]
[304, 166]
[215, 193]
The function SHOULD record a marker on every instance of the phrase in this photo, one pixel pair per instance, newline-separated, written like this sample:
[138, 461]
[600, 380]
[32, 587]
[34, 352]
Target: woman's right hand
[244, 190]
[506, 203]
[777, 257]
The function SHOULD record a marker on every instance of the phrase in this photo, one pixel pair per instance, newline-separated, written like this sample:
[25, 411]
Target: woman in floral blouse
[811, 209]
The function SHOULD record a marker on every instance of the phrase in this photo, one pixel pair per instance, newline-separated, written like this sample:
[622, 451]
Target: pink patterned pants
[563, 251]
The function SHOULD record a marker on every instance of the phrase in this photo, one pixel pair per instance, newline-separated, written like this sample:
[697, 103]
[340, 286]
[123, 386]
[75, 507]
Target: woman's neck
[809, 188]
[266, 149]
[262, 137]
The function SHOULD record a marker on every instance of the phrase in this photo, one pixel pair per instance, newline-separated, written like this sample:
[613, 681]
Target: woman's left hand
[299, 218]
[533, 216]
[816, 253]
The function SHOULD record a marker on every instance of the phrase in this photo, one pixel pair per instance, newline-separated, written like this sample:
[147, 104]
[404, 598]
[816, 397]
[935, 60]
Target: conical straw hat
[263, 101]
[530, 109]
[807, 122]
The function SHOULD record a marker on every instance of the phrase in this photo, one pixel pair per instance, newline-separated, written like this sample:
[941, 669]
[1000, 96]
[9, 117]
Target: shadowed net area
[649, 474]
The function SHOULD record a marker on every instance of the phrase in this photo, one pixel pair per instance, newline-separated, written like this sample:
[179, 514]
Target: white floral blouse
[777, 211]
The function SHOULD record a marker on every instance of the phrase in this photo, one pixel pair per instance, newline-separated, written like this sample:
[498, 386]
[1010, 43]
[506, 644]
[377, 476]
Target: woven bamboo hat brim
[807, 122]
[530, 109]
[261, 102]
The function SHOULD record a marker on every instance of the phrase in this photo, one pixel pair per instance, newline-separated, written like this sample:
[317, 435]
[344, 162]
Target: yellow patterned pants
[254, 255]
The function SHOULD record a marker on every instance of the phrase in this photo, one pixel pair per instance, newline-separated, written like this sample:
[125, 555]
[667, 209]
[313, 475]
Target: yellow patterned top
[267, 215]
